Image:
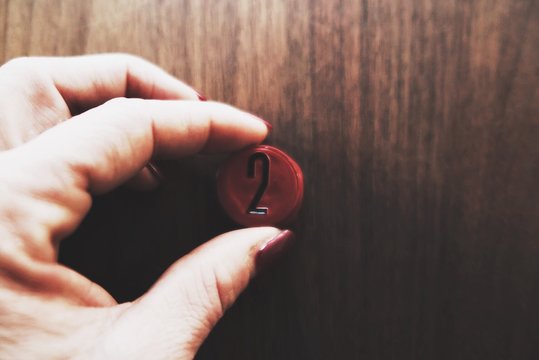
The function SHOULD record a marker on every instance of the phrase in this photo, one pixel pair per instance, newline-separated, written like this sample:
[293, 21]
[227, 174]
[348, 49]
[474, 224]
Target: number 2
[253, 206]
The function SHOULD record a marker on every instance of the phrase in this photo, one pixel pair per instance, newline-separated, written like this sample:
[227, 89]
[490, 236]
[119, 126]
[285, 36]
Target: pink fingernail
[201, 97]
[268, 125]
[273, 249]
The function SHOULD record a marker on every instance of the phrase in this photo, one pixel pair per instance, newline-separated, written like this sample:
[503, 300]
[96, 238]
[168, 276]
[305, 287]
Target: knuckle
[122, 108]
[128, 60]
[218, 290]
[18, 63]
[20, 67]
[122, 103]
[126, 56]
[115, 102]
[26, 75]
[204, 301]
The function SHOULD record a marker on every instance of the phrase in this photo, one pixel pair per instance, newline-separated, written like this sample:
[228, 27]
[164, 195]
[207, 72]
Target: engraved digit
[251, 173]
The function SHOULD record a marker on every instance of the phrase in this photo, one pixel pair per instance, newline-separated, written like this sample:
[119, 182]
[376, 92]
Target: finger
[107, 145]
[24, 273]
[188, 300]
[90, 80]
[93, 79]
[149, 178]
[44, 91]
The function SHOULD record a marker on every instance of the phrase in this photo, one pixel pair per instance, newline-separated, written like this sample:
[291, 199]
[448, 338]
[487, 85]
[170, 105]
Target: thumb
[172, 320]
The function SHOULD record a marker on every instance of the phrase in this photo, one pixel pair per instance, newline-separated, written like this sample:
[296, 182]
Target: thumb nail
[273, 249]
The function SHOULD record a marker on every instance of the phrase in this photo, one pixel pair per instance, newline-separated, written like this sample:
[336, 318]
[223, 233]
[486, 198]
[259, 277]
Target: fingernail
[201, 97]
[154, 170]
[273, 249]
[268, 125]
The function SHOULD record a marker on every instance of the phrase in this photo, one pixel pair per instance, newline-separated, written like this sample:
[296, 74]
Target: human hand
[46, 184]
[39, 93]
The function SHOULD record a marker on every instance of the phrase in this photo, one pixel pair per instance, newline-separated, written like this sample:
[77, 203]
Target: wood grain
[416, 123]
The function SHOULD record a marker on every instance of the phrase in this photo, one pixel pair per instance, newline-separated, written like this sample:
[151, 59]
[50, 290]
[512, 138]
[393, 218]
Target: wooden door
[416, 124]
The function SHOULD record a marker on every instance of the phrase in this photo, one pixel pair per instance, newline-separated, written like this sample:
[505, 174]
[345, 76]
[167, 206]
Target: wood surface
[416, 123]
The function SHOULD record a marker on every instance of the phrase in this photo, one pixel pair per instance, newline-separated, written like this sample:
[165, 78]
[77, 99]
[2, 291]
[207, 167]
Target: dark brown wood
[416, 123]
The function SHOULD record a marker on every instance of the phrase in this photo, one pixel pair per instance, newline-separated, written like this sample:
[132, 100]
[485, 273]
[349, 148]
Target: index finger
[91, 80]
[107, 145]
[53, 175]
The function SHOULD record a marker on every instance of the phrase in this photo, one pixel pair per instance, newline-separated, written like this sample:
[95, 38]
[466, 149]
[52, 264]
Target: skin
[74, 127]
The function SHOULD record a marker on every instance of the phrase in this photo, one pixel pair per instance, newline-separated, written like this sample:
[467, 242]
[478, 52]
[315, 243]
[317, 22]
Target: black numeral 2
[253, 206]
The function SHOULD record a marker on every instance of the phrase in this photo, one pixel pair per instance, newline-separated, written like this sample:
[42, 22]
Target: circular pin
[260, 186]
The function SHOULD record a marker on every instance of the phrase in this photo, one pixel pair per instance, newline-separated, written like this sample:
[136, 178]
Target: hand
[46, 184]
[39, 93]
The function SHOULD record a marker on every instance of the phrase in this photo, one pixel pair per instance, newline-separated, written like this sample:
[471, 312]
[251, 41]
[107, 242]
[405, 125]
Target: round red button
[260, 186]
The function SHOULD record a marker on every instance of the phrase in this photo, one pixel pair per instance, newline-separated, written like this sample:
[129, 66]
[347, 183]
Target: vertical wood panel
[416, 124]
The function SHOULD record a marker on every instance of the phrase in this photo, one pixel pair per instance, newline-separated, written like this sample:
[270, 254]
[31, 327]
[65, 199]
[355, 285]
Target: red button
[260, 186]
